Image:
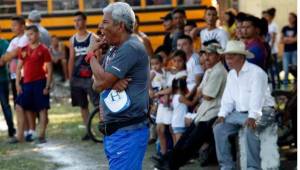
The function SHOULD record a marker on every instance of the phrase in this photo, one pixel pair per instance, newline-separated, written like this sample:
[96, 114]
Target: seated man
[200, 132]
[58, 57]
[246, 98]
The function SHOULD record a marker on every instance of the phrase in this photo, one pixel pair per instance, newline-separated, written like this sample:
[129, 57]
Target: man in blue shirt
[123, 82]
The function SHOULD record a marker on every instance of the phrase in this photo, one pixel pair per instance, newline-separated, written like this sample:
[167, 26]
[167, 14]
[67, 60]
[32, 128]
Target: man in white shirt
[245, 101]
[194, 70]
[20, 40]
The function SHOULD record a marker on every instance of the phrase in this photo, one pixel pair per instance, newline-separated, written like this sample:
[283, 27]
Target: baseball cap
[34, 16]
[213, 48]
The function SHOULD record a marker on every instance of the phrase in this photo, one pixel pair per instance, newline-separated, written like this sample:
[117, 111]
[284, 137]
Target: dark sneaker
[29, 138]
[151, 141]
[203, 158]
[163, 166]
[86, 138]
[11, 132]
[41, 140]
[157, 160]
[13, 141]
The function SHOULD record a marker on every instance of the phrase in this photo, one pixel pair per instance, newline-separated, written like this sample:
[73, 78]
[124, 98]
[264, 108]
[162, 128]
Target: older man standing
[123, 83]
[245, 101]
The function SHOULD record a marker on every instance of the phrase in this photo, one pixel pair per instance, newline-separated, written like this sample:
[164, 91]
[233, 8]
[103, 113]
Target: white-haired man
[123, 83]
[246, 101]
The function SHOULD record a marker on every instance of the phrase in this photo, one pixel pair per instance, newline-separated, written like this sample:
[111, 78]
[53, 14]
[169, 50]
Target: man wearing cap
[34, 18]
[200, 131]
[246, 100]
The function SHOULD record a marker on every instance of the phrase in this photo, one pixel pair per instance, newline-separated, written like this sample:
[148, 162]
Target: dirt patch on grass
[24, 157]
[72, 156]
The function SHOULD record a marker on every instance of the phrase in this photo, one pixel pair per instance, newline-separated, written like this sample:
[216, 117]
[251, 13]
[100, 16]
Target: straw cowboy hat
[237, 47]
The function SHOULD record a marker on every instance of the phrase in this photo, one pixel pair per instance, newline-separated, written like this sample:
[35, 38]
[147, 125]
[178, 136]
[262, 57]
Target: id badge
[116, 101]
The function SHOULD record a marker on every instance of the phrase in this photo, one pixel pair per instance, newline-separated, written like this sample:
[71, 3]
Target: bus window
[158, 2]
[7, 7]
[65, 5]
[131, 2]
[29, 5]
[169, 2]
[95, 4]
[188, 2]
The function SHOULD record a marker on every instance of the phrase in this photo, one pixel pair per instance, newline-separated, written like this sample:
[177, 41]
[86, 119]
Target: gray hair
[121, 12]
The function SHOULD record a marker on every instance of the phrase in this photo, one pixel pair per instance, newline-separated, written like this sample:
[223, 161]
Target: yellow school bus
[57, 15]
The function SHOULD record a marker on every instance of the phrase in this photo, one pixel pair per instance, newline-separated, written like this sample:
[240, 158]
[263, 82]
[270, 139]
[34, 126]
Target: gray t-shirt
[130, 60]
[44, 35]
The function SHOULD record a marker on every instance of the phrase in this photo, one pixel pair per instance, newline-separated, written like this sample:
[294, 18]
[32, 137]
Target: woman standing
[289, 40]
[273, 33]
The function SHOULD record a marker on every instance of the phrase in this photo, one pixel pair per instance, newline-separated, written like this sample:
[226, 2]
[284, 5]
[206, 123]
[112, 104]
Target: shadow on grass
[22, 157]
[63, 126]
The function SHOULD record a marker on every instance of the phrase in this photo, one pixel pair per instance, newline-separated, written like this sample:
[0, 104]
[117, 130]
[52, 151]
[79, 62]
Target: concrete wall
[283, 7]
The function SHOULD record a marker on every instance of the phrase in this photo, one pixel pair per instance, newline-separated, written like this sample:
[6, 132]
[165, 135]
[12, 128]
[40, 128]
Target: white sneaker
[66, 83]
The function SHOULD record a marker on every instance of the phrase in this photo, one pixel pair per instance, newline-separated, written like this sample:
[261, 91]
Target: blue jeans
[289, 58]
[273, 72]
[125, 149]
[233, 123]
[4, 92]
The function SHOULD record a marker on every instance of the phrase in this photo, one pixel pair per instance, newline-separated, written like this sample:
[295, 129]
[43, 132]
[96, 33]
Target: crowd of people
[203, 84]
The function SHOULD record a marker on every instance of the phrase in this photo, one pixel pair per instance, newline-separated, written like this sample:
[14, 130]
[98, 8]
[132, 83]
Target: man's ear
[122, 26]
[257, 30]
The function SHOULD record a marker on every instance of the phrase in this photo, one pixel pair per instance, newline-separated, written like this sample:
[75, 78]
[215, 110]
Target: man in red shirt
[33, 94]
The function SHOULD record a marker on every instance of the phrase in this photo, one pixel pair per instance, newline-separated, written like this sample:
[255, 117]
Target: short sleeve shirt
[273, 28]
[257, 47]
[193, 69]
[44, 35]
[216, 34]
[33, 62]
[290, 32]
[3, 69]
[212, 85]
[17, 42]
[130, 60]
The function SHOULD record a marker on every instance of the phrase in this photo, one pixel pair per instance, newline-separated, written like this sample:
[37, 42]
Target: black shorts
[32, 97]
[79, 96]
